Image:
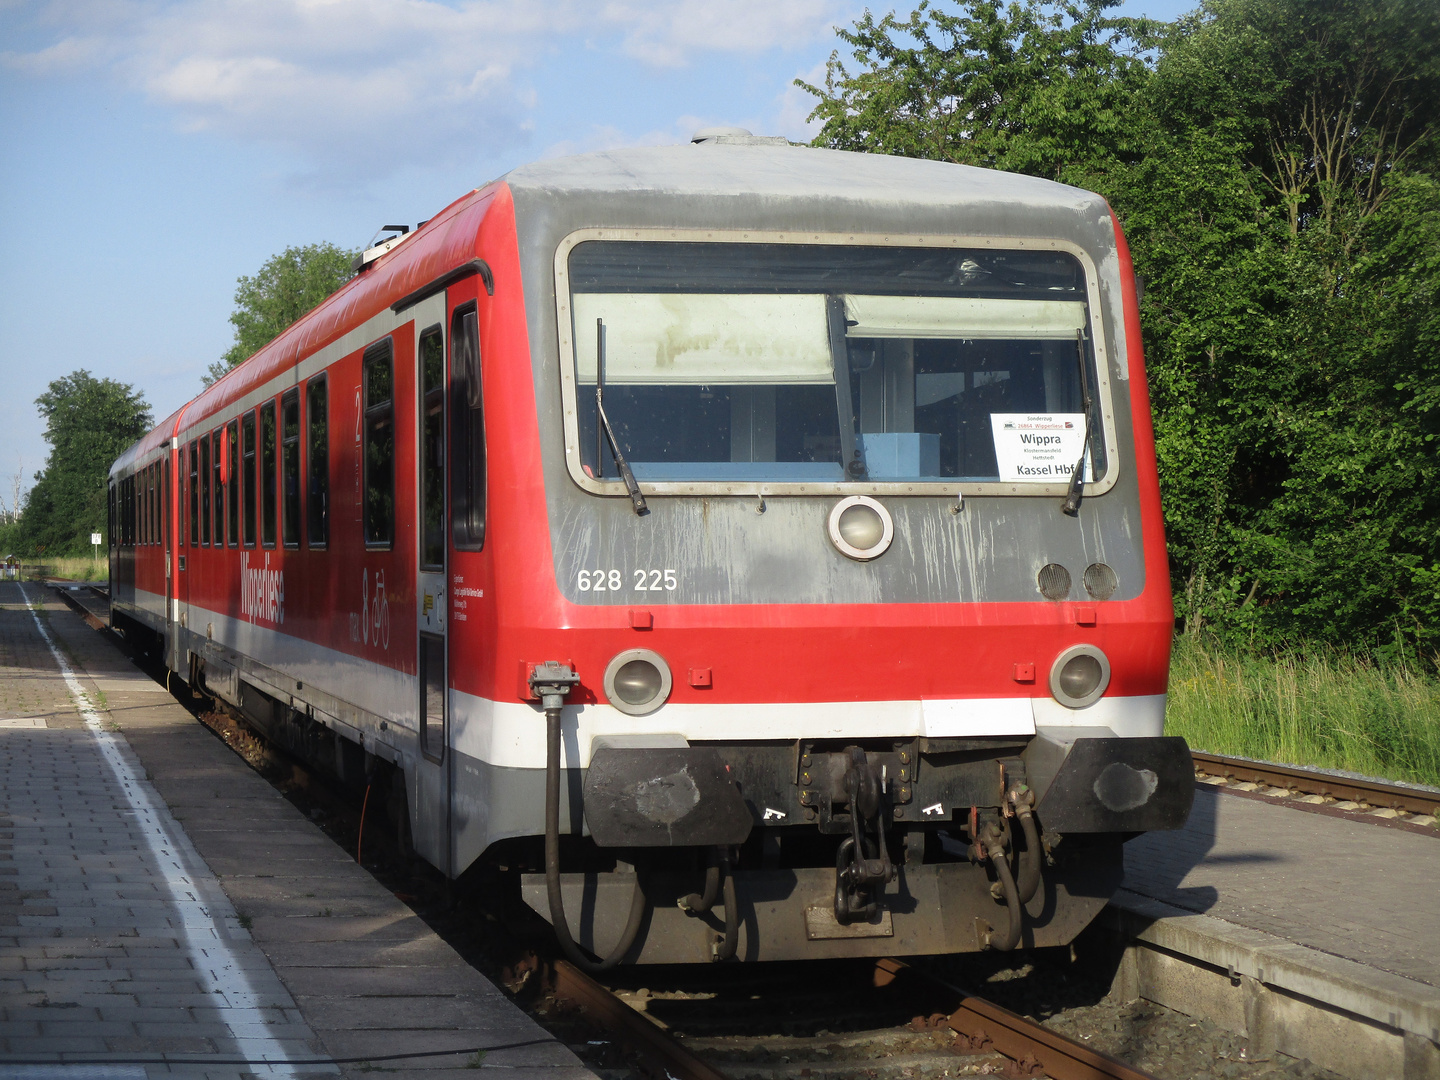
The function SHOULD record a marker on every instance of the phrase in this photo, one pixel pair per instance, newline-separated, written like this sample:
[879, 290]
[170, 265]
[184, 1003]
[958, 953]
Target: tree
[285, 288]
[1329, 98]
[88, 423]
[1041, 88]
[10, 507]
[1276, 164]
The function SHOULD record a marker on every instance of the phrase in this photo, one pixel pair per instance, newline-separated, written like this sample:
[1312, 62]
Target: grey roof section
[727, 169]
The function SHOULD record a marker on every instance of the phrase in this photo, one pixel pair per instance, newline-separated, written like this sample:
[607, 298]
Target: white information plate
[1038, 448]
[946, 718]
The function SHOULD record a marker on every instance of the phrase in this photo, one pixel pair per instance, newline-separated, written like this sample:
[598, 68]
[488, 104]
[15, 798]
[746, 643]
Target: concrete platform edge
[1340, 1014]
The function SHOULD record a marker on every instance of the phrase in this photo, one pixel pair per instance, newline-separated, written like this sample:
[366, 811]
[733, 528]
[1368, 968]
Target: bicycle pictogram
[374, 613]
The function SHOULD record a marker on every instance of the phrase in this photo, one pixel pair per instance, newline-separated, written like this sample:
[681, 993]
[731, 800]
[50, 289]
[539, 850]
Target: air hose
[996, 852]
[552, 682]
[1029, 881]
[700, 903]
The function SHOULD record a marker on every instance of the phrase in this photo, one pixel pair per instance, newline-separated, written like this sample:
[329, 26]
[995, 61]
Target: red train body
[368, 536]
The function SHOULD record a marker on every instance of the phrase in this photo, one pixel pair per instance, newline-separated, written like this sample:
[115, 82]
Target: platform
[1315, 935]
[164, 912]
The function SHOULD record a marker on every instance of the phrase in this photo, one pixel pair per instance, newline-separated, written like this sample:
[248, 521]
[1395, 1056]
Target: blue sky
[156, 150]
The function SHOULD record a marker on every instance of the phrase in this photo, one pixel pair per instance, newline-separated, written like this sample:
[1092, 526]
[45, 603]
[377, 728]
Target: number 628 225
[614, 581]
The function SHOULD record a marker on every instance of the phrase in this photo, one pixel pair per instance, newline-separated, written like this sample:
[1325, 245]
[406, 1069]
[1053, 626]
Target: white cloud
[793, 107]
[668, 34]
[331, 81]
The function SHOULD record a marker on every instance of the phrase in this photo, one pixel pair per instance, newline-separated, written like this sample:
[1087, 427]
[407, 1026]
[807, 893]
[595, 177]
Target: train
[752, 551]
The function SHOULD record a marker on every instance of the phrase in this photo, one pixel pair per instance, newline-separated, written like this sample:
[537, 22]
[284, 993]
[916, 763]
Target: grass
[1321, 708]
[73, 568]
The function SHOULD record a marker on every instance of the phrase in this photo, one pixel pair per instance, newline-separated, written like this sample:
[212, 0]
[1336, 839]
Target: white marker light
[860, 528]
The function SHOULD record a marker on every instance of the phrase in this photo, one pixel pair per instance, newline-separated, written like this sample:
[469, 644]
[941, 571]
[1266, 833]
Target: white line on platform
[209, 953]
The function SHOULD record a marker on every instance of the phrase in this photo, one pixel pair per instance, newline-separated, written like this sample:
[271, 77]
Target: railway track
[962, 1027]
[1374, 800]
[90, 602]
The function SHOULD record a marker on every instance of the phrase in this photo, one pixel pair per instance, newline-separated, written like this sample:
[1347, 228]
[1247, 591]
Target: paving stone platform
[1315, 935]
[164, 912]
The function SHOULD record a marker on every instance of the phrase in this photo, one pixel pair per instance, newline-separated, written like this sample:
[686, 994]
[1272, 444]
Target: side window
[317, 486]
[432, 449]
[379, 449]
[195, 494]
[290, 468]
[205, 490]
[467, 433]
[247, 434]
[267, 474]
[232, 473]
[164, 531]
[220, 442]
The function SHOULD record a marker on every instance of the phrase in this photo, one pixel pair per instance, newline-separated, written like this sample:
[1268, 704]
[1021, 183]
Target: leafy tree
[1329, 98]
[1276, 164]
[286, 287]
[88, 423]
[1040, 88]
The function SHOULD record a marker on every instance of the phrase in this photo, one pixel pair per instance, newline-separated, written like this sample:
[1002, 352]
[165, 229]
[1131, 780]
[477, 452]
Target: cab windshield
[825, 363]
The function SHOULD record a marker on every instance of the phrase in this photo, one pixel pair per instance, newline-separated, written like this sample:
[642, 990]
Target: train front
[857, 636]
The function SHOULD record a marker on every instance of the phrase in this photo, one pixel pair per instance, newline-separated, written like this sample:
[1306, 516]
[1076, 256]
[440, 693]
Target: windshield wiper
[602, 425]
[1071, 505]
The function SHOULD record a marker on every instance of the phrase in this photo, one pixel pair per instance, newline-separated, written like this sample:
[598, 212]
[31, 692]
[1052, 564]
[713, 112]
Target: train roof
[730, 179]
[750, 167]
[154, 439]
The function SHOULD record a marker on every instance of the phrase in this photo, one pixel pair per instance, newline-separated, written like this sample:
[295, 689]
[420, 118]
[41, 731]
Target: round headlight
[1079, 676]
[860, 527]
[637, 681]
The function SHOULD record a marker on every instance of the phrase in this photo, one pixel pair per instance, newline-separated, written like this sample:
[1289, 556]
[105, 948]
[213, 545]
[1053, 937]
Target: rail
[977, 1026]
[96, 620]
[982, 1025]
[664, 1055]
[1374, 793]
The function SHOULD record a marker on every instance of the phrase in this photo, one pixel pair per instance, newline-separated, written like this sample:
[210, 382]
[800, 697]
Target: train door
[186, 543]
[433, 818]
[170, 544]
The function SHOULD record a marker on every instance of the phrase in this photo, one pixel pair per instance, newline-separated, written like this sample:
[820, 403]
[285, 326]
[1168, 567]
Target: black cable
[552, 866]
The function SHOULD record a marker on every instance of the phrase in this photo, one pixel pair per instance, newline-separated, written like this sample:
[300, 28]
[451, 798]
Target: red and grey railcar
[757, 548]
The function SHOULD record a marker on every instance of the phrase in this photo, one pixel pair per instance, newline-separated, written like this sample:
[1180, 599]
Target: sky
[153, 151]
